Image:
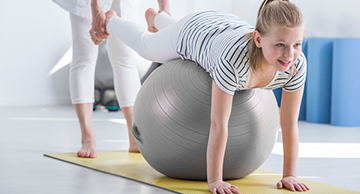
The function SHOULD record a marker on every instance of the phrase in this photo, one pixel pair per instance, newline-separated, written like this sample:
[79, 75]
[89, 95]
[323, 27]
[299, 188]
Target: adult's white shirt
[81, 7]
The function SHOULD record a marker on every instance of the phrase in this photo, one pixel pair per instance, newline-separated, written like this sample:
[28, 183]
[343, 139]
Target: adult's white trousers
[122, 58]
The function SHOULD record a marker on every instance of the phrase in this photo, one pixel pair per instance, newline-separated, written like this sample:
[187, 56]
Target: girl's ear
[257, 38]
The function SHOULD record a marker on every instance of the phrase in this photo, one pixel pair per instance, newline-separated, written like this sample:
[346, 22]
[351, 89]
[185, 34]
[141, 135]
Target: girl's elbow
[218, 125]
[288, 124]
[219, 130]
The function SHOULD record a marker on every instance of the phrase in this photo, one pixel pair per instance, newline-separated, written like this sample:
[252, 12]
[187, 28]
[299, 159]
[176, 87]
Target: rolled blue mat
[318, 88]
[278, 95]
[302, 113]
[345, 103]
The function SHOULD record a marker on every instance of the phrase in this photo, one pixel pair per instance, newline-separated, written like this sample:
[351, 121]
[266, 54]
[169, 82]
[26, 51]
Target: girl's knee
[128, 62]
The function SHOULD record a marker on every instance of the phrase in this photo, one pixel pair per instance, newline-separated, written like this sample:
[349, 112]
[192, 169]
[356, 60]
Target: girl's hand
[222, 187]
[292, 183]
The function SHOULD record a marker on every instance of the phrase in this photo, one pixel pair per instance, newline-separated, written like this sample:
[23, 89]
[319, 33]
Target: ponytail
[263, 4]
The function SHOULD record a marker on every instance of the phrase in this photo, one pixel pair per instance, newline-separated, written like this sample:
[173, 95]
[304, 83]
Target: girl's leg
[81, 81]
[163, 20]
[123, 60]
[157, 47]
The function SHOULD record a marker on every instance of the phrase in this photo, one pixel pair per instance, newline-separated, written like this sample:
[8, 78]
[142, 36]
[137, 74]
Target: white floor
[328, 154]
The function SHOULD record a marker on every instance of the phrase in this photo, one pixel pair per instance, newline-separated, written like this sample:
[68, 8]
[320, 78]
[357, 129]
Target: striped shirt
[219, 42]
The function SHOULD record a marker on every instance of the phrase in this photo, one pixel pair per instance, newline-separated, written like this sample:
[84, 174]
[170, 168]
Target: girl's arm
[289, 113]
[221, 104]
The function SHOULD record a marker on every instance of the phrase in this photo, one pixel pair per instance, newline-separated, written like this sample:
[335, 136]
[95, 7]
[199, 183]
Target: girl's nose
[289, 51]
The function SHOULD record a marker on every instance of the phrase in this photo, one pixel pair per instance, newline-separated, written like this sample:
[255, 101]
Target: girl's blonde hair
[273, 13]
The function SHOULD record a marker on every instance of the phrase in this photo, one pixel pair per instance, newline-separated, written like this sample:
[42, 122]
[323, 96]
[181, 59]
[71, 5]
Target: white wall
[323, 18]
[35, 34]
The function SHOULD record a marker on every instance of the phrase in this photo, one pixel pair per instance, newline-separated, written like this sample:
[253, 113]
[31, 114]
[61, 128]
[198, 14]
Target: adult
[88, 15]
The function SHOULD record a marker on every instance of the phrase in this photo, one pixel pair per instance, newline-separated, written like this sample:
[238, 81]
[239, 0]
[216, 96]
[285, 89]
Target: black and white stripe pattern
[219, 42]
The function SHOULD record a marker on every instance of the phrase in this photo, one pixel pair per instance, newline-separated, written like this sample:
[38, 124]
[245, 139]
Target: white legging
[157, 47]
[122, 59]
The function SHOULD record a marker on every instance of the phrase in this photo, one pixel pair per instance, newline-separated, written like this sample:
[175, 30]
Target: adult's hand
[164, 6]
[98, 21]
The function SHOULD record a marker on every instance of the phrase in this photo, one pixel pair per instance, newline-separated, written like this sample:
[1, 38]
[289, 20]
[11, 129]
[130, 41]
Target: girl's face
[282, 46]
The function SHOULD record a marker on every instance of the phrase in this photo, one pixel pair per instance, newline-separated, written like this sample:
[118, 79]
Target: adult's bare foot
[134, 149]
[88, 149]
[150, 16]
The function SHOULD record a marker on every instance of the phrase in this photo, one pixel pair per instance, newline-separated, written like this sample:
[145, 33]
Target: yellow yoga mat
[133, 166]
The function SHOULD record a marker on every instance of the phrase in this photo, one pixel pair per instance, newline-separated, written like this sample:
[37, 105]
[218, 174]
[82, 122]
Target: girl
[237, 56]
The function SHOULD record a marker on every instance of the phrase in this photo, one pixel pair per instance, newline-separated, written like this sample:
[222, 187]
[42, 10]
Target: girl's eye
[298, 45]
[280, 45]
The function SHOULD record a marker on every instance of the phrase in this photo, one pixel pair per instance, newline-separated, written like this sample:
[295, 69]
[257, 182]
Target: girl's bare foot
[109, 14]
[88, 149]
[150, 16]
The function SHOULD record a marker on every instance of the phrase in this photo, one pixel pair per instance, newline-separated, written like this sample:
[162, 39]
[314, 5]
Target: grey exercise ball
[171, 122]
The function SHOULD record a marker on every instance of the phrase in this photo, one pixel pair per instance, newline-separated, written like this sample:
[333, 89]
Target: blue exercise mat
[345, 95]
[318, 88]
